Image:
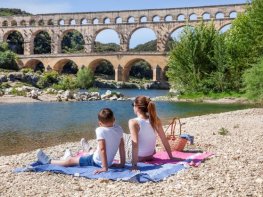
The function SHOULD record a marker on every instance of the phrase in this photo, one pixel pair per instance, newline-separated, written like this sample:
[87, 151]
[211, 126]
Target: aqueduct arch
[120, 21]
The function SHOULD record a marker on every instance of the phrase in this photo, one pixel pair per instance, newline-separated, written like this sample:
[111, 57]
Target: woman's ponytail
[153, 115]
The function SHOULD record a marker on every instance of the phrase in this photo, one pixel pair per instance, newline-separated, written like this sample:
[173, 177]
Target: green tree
[16, 42]
[141, 70]
[7, 58]
[245, 41]
[253, 81]
[197, 61]
[42, 43]
[85, 78]
[73, 42]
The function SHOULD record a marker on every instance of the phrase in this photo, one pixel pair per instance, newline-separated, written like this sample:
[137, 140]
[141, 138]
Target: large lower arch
[106, 40]
[72, 42]
[41, 42]
[142, 39]
[103, 69]
[15, 41]
[35, 65]
[62, 64]
[130, 64]
[93, 64]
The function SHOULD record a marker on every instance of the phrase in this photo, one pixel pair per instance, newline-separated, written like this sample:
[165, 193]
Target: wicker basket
[175, 141]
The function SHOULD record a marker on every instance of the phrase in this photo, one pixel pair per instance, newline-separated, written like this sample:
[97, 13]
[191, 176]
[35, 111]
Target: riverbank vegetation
[205, 62]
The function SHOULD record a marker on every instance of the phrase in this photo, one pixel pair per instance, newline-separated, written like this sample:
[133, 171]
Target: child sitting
[109, 137]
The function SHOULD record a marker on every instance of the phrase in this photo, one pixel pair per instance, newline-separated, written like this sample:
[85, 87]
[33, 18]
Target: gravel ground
[235, 170]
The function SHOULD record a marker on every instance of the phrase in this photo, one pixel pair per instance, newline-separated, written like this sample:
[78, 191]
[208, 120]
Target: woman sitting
[144, 129]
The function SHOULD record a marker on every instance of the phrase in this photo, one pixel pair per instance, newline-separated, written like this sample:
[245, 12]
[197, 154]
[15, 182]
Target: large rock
[68, 94]
[31, 78]
[3, 78]
[16, 76]
[34, 94]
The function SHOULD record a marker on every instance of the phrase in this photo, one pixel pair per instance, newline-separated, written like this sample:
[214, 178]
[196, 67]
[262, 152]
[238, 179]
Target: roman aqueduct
[162, 21]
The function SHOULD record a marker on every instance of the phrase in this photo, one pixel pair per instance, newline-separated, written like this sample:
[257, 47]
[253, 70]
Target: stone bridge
[162, 21]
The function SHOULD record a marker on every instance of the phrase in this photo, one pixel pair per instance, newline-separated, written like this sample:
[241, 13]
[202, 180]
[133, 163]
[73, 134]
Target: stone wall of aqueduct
[162, 21]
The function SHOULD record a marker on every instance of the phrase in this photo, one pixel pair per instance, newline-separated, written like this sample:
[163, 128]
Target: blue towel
[188, 137]
[148, 172]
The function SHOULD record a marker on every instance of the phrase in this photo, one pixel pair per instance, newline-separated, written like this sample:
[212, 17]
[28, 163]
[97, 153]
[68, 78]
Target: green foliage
[105, 68]
[16, 42]
[73, 42]
[48, 79]
[4, 85]
[12, 12]
[42, 43]
[141, 70]
[27, 70]
[66, 83]
[223, 131]
[85, 78]
[197, 62]
[15, 92]
[70, 68]
[253, 81]
[148, 46]
[7, 58]
[93, 89]
[210, 95]
[109, 47]
[245, 41]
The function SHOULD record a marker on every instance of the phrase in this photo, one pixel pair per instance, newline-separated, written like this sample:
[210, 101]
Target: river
[25, 127]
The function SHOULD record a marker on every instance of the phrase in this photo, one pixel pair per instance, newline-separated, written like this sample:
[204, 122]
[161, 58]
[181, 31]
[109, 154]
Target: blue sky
[51, 6]
[62, 6]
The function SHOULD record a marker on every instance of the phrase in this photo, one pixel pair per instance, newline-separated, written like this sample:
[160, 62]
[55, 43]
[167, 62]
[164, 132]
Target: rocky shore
[236, 169]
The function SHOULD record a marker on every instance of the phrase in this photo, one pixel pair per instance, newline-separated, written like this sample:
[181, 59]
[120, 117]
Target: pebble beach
[236, 169]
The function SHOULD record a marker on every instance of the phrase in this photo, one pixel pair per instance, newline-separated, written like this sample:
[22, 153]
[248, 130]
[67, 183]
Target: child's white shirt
[112, 137]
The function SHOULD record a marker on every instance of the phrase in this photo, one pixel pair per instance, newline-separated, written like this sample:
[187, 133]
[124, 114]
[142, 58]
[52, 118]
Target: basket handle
[173, 125]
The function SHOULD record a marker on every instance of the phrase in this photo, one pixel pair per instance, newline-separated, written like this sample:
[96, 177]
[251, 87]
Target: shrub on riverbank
[48, 79]
[67, 82]
[253, 81]
[85, 78]
[7, 58]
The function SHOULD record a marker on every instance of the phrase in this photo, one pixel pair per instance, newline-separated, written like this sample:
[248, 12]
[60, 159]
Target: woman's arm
[103, 156]
[134, 130]
[122, 153]
[164, 140]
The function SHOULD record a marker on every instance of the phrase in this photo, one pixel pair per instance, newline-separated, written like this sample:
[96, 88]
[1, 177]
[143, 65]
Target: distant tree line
[12, 12]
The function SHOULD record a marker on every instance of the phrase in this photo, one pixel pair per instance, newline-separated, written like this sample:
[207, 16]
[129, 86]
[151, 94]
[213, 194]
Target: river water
[25, 127]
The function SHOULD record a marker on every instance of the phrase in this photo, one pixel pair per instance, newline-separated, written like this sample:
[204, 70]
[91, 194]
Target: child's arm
[103, 156]
[122, 156]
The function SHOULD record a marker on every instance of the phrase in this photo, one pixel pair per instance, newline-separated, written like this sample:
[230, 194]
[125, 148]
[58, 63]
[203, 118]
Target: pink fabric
[193, 159]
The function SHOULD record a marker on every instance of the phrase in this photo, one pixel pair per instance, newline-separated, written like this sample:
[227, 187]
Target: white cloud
[37, 6]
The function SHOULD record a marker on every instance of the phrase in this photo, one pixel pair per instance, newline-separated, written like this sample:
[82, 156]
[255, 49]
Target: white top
[146, 138]
[112, 137]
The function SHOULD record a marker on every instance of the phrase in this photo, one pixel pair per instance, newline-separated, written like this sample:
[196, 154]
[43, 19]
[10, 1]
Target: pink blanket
[193, 159]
